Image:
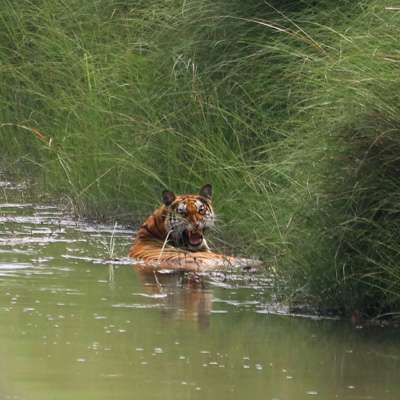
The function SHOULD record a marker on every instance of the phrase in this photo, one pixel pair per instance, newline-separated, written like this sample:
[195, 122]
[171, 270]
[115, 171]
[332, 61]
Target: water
[78, 322]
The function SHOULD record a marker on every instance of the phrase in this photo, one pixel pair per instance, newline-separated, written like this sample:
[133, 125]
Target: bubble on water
[182, 357]
[139, 349]
[351, 387]
[111, 375]
[81, 360]
[94, 346]
[42, 260]
[158, 350]
[312, 392]
[259, 367]
[246, 366]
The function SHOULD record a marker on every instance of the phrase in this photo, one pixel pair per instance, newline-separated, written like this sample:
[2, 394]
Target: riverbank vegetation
[290, 108]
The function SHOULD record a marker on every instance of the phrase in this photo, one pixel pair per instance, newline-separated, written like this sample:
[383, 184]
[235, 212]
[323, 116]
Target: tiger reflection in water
[186, 298]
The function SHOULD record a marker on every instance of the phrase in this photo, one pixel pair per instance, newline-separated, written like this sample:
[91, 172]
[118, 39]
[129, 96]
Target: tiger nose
[195, 223]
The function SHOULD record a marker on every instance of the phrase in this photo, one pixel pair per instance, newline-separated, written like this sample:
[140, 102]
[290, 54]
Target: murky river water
[74, 325]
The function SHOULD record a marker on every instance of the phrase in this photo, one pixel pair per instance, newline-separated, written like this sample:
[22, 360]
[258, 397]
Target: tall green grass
[290, 108]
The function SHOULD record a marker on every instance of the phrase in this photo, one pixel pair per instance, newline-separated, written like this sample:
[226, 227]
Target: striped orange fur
[173, 236]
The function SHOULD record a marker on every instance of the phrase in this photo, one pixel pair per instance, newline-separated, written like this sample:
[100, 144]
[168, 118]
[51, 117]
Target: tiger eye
[181, 209]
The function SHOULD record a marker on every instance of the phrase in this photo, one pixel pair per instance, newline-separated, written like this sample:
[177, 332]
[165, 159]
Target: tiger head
[188, 217]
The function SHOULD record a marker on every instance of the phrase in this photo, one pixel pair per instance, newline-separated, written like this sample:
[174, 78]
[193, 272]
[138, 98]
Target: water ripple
[138, 305]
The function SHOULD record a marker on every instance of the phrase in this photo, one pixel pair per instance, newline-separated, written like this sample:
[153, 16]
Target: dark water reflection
[184, 297]
[74, 324]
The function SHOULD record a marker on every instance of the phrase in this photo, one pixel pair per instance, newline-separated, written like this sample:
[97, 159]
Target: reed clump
[290, 108]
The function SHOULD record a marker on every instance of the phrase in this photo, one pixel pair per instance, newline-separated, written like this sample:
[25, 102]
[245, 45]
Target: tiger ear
[168, 197]
[206, 191]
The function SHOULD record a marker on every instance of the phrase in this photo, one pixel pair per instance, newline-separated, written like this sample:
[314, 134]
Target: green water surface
[75, 325]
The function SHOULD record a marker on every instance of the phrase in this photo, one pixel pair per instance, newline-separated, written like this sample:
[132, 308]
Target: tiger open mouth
[193, 238]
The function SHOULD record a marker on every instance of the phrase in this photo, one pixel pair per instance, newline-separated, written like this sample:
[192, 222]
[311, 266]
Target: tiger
[173, 236]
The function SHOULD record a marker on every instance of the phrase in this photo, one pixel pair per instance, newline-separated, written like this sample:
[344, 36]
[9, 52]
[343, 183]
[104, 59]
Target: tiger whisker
[214, 228]
[164, 244]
